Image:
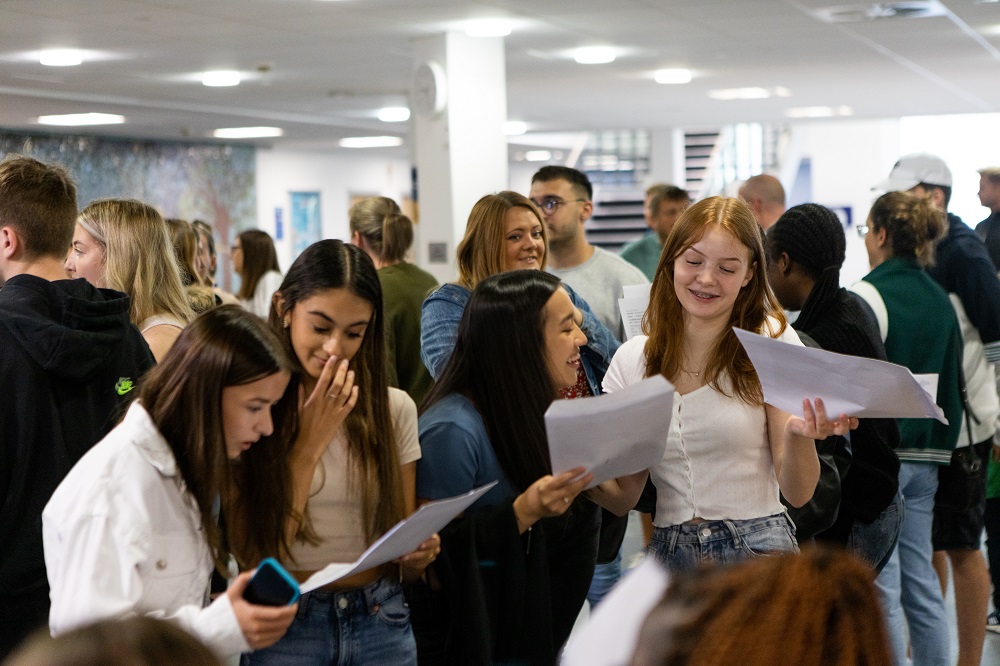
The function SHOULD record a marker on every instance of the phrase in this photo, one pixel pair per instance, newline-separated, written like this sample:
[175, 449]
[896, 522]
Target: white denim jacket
[123, 537]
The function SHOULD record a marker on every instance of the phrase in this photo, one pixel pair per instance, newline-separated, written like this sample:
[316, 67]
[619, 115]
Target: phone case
[271, 585]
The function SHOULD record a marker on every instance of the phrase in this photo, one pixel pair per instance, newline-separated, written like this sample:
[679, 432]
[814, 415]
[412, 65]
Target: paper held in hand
[401, 540]
[851, 385]
[632, 307]
[611, 435]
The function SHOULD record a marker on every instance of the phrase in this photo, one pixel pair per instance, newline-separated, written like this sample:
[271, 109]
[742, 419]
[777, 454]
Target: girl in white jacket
[134, 527]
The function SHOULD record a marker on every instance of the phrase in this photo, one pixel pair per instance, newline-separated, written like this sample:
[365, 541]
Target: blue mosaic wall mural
[211, 182]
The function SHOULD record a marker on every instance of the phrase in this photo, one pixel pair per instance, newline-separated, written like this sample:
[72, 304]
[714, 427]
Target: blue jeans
[875, 542]
[688, 546]
[908, 585]
[369, 625]
[605, 577]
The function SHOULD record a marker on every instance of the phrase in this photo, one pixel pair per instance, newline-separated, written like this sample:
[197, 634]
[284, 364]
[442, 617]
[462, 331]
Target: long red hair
[755, 304]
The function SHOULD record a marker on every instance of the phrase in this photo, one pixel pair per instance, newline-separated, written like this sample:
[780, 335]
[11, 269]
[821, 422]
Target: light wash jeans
[688, 546]
[908, 585]
[605, 577]
[369, 625]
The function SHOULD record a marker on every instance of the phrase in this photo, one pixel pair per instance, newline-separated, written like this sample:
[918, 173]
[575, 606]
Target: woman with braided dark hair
[805, 250]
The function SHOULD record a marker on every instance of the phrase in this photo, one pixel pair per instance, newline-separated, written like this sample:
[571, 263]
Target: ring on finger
[565, 500]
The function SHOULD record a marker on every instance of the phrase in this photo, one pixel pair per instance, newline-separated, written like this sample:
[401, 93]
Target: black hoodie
[69, 357]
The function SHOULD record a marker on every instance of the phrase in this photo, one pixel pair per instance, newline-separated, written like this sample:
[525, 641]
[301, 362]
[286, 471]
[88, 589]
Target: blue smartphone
[271, 585]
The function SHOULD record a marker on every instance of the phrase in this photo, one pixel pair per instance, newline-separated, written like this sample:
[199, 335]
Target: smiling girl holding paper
[728, 453]
[515, 569]
[352, 465]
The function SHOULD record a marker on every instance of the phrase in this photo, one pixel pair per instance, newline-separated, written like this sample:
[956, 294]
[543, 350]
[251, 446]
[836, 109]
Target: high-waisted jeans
[688, 546]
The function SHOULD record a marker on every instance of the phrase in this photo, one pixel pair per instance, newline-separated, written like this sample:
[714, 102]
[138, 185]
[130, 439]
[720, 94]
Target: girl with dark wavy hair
[352, 464]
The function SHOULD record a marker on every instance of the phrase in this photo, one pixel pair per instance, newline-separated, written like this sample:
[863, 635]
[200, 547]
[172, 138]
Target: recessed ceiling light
[538, 155]
[247, 132]
[672, 76]
[739, 93]
[488, 28]
[370, 142]
[76, 119]
[818, 111]
[60, 57]
[514, 127]
[594, 55]
[222, 78]
[394, 114]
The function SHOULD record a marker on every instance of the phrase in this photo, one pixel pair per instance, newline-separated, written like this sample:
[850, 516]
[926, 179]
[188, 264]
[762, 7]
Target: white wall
[848, 157]
[336, 176]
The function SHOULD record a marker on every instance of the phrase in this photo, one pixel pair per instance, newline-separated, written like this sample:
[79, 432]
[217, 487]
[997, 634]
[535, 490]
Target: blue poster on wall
[306, 224]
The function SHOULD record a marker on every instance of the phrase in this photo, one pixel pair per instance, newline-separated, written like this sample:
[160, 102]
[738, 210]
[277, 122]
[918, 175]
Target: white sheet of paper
[401, 539]
[610, 637]
[849, 385]
[632, 307]
[611, 435]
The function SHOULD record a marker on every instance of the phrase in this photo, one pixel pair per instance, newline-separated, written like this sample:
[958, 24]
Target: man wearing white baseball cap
[964, 269]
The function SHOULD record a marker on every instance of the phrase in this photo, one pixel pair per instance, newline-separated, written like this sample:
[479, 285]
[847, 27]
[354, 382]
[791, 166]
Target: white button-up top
[123, 536]
[718, 463]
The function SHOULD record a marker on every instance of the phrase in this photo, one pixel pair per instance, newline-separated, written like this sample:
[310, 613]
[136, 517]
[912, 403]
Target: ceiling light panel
[81, 119]
[370, 142]
[60, 57]
[247, 132]
[222, 78]
[488, 28]
[594, 55]
[673, 76]
[394, 114]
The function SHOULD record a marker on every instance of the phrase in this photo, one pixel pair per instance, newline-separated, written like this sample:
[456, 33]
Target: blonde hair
[139, 259]
[481, 252]
[755, 303]
[382, 224]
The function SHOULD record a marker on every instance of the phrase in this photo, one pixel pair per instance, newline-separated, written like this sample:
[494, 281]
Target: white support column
[461, 151]
[666, 157]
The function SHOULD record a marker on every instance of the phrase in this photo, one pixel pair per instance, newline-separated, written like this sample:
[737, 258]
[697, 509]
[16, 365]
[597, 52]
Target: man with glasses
[564, 197]
[964, 269]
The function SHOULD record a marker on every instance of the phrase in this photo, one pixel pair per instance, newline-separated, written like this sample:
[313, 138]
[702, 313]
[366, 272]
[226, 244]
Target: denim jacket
[442, 311]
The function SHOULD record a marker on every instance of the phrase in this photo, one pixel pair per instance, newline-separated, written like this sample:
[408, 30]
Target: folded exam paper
[614, 434]
[851, 385]
[401, 539]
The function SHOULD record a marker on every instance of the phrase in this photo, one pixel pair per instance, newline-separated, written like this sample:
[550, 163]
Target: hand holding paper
[404, 538]
[860, 387]
[611, 435]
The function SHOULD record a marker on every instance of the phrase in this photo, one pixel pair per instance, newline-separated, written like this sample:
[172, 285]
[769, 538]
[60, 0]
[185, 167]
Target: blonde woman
[184, 239]
[123, 244]
[380, 229]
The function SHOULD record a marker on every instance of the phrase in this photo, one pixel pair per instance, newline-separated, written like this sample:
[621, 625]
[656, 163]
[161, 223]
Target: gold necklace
[690, 372]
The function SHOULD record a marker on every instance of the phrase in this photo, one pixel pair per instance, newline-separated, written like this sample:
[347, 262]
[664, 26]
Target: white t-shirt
[260, 304]
[717, 463]
[334, 503]
[599, 281]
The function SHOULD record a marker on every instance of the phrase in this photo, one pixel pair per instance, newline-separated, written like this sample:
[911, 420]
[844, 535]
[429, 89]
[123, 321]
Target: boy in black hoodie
[69, 357]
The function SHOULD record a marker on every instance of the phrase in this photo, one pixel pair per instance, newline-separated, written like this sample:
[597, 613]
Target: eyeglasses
[862, 230]
[551, 204]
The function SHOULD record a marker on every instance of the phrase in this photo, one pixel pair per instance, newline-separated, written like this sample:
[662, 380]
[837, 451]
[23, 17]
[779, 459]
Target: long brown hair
[381, 223]
[755, 304]
[481, 251]
[819, 608]
[226, 346]
[371, 439]
[259, 257]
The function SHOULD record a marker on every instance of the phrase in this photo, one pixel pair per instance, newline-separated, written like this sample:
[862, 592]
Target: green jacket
[922, 335]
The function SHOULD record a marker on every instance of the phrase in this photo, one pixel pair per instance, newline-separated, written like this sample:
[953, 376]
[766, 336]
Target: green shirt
[644, 254]
[404, 287]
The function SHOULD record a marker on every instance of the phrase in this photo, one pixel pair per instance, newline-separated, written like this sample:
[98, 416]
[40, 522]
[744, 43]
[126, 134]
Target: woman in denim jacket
[504, 233]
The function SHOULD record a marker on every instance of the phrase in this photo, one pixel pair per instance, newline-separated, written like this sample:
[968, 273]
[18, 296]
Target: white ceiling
[332, 64]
